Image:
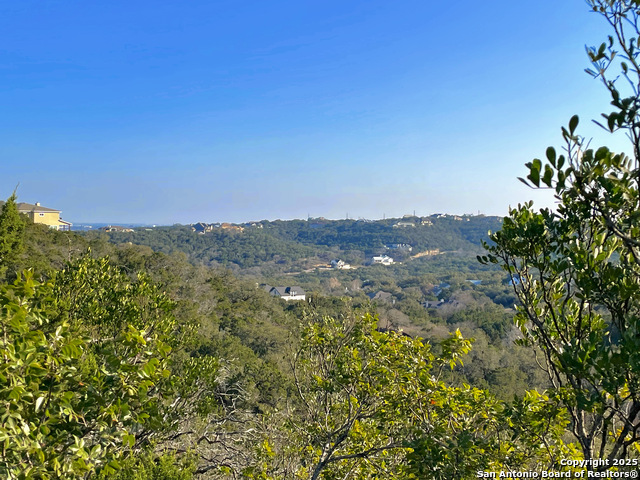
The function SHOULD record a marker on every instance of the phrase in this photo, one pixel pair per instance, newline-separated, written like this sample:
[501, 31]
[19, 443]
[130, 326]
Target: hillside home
[201, 227]
[382, 259]
[432, 303]
[404, 224]
[39, 214]
[286, 293]
[340, 265]
[382, 296]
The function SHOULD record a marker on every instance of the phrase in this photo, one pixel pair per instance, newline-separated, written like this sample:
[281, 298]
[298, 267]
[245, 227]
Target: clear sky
[169, 111]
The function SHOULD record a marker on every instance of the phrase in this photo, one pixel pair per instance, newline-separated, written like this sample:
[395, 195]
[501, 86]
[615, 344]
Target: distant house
[426, 222]
[201, 227]
[382, 259]
[46, 216]
[404, 224]
[381, 296]
[432, 303]
[340, 265]
[116, 228]
[286, 293]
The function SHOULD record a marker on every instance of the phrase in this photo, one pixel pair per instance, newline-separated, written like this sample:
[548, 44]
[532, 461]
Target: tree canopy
[576, 268]
[12, 228]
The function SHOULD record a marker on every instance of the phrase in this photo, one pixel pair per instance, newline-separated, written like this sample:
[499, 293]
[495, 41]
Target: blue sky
[176, 112]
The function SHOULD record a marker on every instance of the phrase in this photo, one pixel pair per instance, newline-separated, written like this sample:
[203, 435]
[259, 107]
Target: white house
[404, 224]
[340, 265]
[286, 293]
[382, 259]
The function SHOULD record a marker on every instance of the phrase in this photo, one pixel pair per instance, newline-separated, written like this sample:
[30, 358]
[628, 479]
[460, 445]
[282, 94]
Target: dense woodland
[157, 354]
[482, 310]
[223, 392]
[138, 362]
[288, 246]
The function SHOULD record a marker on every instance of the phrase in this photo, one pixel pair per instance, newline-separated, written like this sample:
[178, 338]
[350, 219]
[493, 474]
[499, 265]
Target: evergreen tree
[12, 231]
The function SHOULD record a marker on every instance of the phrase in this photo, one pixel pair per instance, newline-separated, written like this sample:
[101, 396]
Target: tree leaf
[39, 402]
[573, 123]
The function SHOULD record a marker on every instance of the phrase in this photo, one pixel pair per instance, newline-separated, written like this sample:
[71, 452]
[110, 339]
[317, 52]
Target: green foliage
[102, 297]
[354, 403]
[576, 269]
[491, 319]
[372, 405]
[147, 466]
[81, 380]
[220, 247]
[12, 227]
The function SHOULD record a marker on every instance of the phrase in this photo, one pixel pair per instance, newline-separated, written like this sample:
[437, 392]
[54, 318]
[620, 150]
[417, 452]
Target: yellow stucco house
[39, 214]
[47, 216]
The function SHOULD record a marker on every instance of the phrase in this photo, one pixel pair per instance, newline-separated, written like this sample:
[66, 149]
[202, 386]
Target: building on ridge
[44, 215]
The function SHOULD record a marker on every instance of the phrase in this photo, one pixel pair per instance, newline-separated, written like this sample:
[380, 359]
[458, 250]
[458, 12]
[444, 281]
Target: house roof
[30, 207]
[380, 295]
[199, 226]
[287, 291]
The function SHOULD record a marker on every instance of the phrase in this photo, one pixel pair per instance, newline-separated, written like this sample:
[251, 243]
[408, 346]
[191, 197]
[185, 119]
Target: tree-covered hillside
[302, 243]
[143, 362]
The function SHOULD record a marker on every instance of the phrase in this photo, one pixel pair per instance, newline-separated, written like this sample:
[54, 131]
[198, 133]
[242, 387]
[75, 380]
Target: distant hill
[284, 243]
